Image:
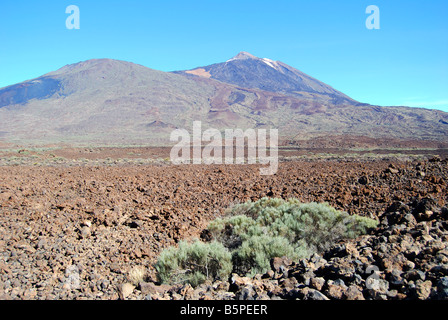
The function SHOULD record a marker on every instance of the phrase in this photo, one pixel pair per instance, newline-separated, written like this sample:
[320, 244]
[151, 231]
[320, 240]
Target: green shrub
[194, 263]
[254, 254]
[305, 227]
[253, 233]
[318, 224]
[231, 232]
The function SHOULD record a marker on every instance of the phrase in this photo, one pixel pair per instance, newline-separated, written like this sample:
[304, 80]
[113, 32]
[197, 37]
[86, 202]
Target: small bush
[194, 263]
[318, 224]
[254, 254]
[136, 275]
[305, 228]
[253, 233]
[232, 231]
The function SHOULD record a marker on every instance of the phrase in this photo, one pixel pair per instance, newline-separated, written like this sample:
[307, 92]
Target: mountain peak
[248, 71]
[243, 55]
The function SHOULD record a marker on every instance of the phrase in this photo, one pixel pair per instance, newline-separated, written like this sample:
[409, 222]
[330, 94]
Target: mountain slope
[248, 71]
[104, 101]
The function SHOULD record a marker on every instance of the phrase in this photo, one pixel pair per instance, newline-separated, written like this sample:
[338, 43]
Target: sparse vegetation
[136, 275]
[253, 233]
[194, 263]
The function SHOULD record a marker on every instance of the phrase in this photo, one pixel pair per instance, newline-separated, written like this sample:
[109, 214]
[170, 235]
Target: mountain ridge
[107, 101]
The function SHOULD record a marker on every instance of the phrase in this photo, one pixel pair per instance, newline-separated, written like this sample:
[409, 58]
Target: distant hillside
[104, 101]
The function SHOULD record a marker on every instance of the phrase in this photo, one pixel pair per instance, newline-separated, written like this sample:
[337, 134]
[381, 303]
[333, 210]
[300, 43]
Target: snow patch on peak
[243, 55]
[273, 64]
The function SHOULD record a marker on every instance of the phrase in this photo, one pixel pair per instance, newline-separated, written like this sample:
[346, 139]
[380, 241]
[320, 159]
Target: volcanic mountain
[248, 71]
[105, 101]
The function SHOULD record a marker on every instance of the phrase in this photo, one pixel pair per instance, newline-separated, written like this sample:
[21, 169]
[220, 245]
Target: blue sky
[405, 62]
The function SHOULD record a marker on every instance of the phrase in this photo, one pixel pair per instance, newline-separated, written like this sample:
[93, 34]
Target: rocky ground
[406, 258]
[81, 231]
